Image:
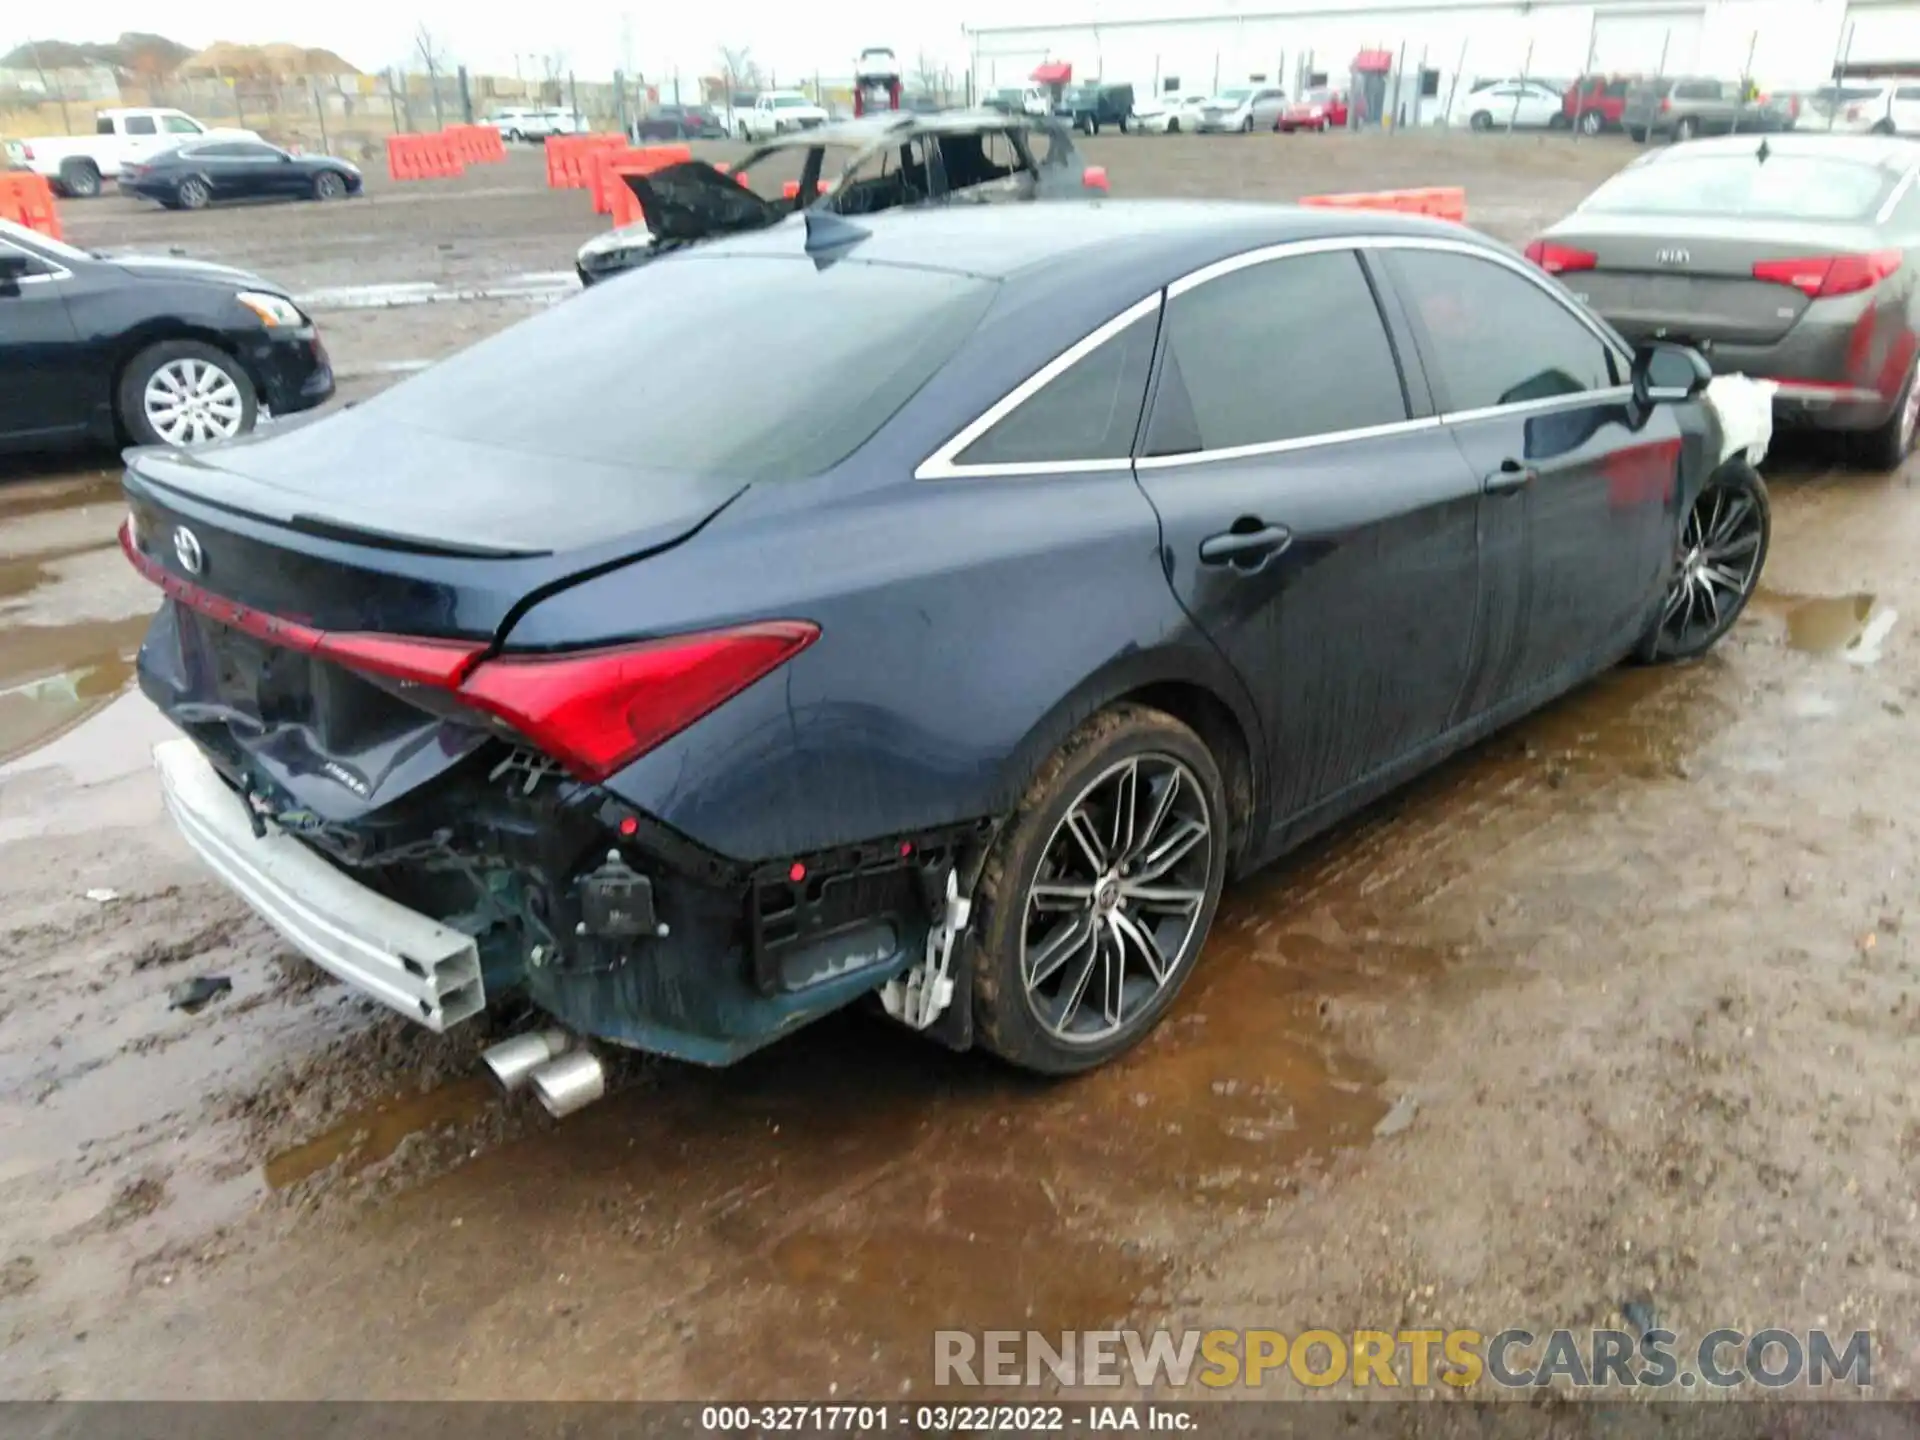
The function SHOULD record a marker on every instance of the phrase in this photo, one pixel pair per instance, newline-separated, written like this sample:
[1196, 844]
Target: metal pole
[1840, 68]
[1525, 66]
[320, 113]
[1458, 70]
[573, 103]
[393, 101]
[1399, 88]
[1658, 75]
[1419, 87]
[1746, 79]
[1216, 72]
[1586, 74]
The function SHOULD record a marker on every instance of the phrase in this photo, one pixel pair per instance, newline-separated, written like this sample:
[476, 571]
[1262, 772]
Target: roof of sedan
[999, 241]
[1893, 151]
[870, 128]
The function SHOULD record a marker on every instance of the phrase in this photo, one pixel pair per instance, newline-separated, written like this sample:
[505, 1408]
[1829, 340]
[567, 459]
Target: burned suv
[891, 161]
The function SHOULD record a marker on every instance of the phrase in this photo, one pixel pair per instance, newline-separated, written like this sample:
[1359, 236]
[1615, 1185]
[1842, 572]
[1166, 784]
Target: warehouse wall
[1792, 42]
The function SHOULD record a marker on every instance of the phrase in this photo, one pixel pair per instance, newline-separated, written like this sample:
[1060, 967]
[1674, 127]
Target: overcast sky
[592, 36]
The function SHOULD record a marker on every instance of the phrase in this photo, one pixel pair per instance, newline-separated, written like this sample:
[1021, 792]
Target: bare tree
[927, 78]
[435, 58]
[553, 65]
[740, 68]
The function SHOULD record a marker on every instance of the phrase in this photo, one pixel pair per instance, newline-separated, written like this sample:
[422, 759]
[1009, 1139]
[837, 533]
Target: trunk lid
[693, 201]
[1663, 276]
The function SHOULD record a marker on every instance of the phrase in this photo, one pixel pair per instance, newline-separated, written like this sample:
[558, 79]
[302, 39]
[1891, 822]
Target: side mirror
[1664, 373]
[13, 268]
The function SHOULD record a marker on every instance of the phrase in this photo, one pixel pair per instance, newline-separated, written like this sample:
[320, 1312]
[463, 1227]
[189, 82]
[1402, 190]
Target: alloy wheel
[1592, 122]
[1720, 549]
[1909, 415]
[190, 401]
[1113, 914]
[193, 194]
[328, 186]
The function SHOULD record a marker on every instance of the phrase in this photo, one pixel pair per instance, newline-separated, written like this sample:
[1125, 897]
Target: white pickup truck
[76, 164]
[775, 112]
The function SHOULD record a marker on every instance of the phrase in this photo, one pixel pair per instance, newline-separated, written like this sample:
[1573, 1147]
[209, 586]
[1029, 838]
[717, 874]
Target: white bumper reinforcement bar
[425, 970]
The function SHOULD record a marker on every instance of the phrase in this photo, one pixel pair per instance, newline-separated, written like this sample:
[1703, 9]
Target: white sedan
[1525, 105]
[1169, 115]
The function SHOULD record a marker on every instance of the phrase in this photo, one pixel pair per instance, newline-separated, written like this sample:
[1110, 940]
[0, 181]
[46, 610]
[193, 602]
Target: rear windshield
[1659, 89]
[1846, 94]
[1783, 187]
[646, 373]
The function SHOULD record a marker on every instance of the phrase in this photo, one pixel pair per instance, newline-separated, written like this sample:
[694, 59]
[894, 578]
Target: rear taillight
[26, 152]
[1665, 105]
[1827, 275]
[598, 711]
[1854, 112]
[1559, 259]
[1094, 177]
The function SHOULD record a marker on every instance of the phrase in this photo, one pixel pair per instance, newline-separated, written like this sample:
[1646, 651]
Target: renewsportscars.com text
[1507, 1359]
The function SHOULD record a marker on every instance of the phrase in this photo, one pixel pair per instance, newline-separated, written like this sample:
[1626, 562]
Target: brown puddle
[374, 1134]
[19, 498]
[54, 676]
[1825, 625]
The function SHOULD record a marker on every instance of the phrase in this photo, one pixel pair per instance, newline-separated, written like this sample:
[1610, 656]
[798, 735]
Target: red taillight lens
[1827, 275]
[598, 711]
[1853, 112]
[26, 152]
[1665, 105]
[1559, 259]
[1094, 177]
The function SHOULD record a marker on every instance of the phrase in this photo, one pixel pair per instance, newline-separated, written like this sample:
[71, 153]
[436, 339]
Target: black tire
[1683, 130]
[1482, 120]
[1637, 134]
[1559, 122]
[1325, 125]
[1696, 613]
[1592, 122]
[1005, 1019]
[129, 402]
[80, 179]
[1887, 445]
[329, 185]
[1883, 127]
[514, 137]
[193, 193]
[1246, 126]
[1173, 127]
[1123, 124]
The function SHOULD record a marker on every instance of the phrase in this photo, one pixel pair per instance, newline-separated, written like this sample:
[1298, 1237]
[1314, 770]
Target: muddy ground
[1642, 970]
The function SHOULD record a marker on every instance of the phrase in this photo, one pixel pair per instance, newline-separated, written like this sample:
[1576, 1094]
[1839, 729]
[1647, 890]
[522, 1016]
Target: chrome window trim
[1898, 194]
[941, 465]
[59, 272]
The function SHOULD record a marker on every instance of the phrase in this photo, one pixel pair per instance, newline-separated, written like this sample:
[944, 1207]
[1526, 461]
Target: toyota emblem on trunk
[186, 546]
[1674, 256]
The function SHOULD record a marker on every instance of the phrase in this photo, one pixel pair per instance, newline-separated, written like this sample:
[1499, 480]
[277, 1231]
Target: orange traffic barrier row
[604, 163]
[424, 157]
[477, 144]
[569, 158]
[1441, 202]
[27, 199]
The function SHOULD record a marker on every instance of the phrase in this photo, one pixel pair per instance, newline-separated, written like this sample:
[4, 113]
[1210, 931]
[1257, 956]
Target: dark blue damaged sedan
[1038, 570]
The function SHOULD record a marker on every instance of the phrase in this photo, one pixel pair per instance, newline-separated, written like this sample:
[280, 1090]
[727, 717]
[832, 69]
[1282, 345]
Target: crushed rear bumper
[427, 971]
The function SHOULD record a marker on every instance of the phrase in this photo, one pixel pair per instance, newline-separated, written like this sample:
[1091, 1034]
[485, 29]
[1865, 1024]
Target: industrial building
[1442, 46]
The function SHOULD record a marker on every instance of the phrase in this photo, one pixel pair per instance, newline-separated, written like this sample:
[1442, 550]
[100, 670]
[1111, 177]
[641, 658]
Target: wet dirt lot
[1641, 971]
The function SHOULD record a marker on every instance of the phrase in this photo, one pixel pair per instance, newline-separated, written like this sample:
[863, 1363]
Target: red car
[1315, 110]
[1594, 103]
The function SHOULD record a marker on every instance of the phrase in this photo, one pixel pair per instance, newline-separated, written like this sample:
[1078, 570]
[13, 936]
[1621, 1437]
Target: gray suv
[1684, 106]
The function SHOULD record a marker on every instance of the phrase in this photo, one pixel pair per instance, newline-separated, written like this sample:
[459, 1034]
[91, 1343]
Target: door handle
[1248, 546]
[1511, 476]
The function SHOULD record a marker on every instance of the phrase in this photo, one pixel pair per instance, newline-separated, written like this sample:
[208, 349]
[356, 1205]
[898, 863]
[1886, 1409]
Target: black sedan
[679, 122]
[207, 171]
[148, 349]
[957, 663]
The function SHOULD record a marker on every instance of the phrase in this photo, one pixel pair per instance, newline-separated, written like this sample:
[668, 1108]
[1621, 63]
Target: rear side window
[1736, 184]
[1284, 350]
[1087, 412]
[140, 125]
[1697, 90]
[1492, 337]
[844, 348]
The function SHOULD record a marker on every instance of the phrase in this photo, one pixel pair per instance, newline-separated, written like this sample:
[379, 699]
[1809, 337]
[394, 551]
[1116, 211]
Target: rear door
[1315, 521]
[46, 392]
[1578, 511]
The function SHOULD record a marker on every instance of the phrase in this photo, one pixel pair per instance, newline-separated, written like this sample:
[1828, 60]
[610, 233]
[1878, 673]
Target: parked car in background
[1521, 104]
[1889, 106]
[1781, 256]
[678, 122]
[889, 160]
[76, 165]
[1019, 100]
[517, 123]
[144, 350]
[1680, 107]
[209, 171]
[1169, 114]
[686, 722]
[1243, 109]
[1594, 103]
[1316, 110]
[775, 112]
[1087, 107]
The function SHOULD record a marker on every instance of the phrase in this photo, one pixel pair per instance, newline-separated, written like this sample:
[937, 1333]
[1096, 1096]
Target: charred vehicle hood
[694, 201]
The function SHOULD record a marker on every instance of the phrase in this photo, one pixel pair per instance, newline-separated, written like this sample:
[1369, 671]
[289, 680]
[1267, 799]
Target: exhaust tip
[571, 1082]
[512, 1062]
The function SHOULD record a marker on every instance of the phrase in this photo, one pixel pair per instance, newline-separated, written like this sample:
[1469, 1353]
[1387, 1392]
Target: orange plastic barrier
[27, 199]
[570, 157]
[1441, 202]
[602, 165]
[423, 157]
[477, 144]
[791, 190]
